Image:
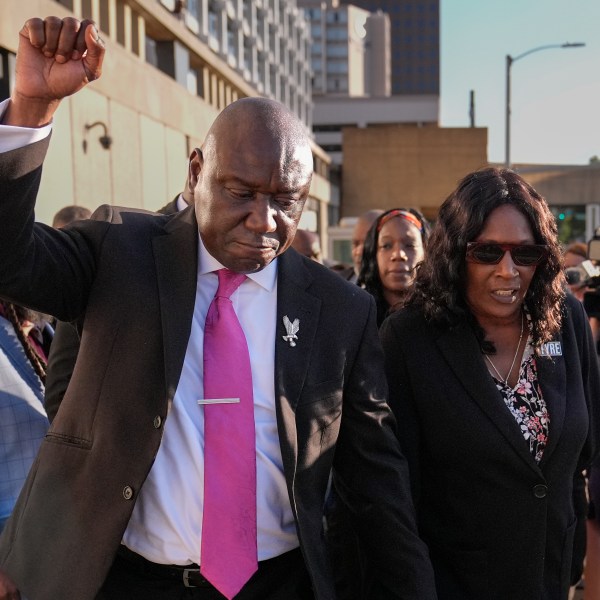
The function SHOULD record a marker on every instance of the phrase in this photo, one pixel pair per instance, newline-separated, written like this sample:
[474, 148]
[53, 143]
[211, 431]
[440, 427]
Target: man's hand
[56, 58]
[8, 591]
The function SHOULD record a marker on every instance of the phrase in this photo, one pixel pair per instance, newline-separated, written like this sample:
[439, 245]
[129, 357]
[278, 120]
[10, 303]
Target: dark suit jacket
[134, 277]
[65, 348]
[498, 525]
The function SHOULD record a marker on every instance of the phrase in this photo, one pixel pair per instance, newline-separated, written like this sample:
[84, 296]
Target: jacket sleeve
[401, 399]
[371, 479]
[42, 268]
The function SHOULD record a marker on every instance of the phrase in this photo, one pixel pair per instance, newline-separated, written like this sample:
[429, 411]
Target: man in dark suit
[115, 499]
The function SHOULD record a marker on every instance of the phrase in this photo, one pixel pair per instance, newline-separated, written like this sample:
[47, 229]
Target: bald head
[307, 243]
[250, 181]
[363, 224]
[264, 121]
[68, 214]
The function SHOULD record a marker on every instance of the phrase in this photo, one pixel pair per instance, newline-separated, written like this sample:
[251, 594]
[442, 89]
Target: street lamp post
[509, 61]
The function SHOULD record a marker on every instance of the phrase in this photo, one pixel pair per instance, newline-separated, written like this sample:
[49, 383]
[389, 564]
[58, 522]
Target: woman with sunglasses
[394, 246]
[493, 378]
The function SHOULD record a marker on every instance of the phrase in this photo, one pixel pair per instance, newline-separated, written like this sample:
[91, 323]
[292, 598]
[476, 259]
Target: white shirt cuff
[12, 137]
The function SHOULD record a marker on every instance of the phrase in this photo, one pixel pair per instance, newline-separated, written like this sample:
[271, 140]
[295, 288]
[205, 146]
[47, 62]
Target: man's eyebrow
[237, 180]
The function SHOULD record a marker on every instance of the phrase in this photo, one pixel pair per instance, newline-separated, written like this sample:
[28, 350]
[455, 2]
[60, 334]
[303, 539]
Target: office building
[350, 51]
[415, 50]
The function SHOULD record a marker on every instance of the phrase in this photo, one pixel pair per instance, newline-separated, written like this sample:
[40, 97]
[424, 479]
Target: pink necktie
[228, 554]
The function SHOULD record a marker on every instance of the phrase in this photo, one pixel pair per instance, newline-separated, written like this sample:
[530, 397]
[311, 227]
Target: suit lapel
[459, 346]
[176, 256]
[291, 362]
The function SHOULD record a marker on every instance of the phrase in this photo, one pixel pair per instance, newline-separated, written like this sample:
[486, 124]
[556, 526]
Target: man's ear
[194, 168]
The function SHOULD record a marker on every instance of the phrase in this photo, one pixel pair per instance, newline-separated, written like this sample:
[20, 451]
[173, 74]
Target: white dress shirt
[166, 524]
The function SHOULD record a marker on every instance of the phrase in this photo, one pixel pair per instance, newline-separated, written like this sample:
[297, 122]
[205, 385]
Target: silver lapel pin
[291, 329]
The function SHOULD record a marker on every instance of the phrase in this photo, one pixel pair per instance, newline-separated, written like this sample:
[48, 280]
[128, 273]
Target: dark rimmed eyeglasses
[523, 255]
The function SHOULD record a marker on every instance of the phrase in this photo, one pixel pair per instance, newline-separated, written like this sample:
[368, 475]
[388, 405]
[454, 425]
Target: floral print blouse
[527, 405]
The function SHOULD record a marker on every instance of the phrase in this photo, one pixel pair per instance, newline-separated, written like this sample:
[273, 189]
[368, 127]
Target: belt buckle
[186, 577]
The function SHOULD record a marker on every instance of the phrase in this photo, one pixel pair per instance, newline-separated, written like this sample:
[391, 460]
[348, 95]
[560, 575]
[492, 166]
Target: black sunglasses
[524, 255]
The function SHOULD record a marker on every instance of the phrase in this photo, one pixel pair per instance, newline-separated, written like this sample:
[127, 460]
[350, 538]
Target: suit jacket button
[128, 492]
[157, 422]
[540, 490]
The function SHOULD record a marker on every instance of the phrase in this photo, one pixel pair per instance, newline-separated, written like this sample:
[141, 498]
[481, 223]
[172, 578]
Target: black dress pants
[131, 577]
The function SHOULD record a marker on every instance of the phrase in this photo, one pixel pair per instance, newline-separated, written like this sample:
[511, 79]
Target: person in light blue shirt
[23, 420]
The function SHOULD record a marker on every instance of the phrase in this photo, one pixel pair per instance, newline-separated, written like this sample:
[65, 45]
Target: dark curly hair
[369, 271]
[440, 285]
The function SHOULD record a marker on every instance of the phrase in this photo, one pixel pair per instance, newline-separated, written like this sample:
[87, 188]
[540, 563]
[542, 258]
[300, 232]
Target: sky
[555, 93]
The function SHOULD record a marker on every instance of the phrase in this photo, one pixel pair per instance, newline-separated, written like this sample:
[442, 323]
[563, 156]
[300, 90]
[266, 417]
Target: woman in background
[494, 381]
[394, 246]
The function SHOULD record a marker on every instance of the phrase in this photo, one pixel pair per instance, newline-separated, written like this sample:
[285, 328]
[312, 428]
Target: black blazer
[134, 276]
[498, 525]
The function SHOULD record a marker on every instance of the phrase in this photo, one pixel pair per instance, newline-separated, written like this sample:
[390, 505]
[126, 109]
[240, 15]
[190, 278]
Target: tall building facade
[415, 28]
[265, 43]
[350, 51]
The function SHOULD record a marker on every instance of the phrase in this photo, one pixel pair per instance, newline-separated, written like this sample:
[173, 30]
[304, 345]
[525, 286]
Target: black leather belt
[188, 575]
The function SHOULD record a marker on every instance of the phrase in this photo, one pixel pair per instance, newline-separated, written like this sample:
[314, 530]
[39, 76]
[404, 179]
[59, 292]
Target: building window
[247, 11]
[262, 72]
[192, 81]
[337, 67]
[273, 81]
[282, 52]
[231, 44]
[213, 25]
[247, 56]
[7, 72]
[151, 51]
[192, 7]
[332, 147]
[86, 9]
[340, 51]
[337, 16]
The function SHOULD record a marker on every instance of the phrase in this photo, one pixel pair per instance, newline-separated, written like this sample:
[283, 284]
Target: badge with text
[551, 349]
[291, 329]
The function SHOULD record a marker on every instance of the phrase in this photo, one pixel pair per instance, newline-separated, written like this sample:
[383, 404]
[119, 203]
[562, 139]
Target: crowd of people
[225, 417]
